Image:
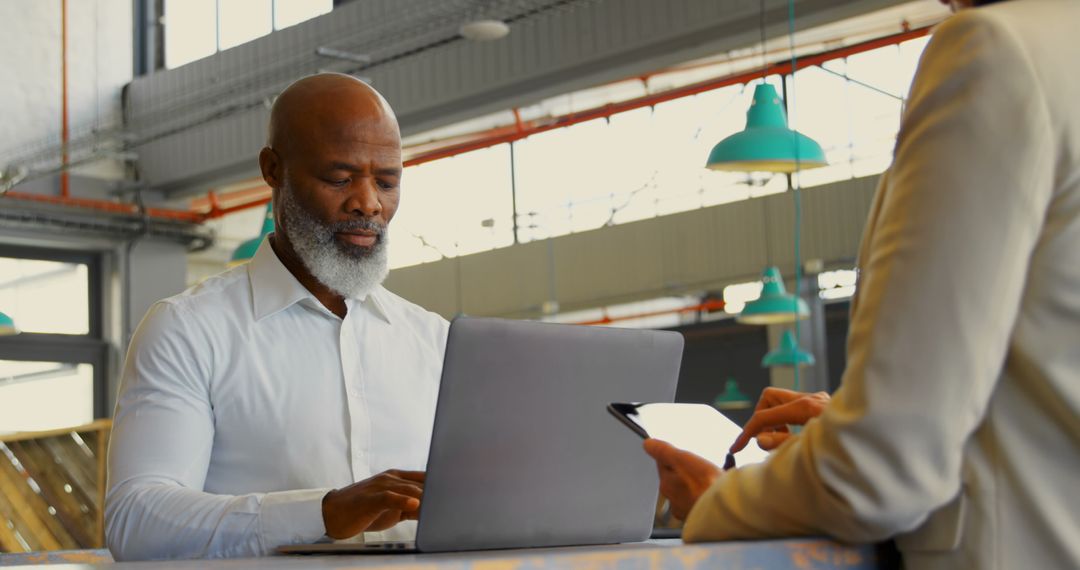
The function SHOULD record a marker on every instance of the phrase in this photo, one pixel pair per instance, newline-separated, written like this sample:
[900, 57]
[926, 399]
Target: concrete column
[813, 337]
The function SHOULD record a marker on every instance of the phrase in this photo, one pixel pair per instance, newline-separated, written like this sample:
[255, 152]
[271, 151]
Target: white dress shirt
[957, 425]
[244, 401]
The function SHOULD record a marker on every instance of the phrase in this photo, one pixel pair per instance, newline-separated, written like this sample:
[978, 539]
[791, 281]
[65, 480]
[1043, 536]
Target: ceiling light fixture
[484, 30]
[789, 353]
[732, 398]
[247, 249]
[766, 144]
[775, 305]
[7, 325]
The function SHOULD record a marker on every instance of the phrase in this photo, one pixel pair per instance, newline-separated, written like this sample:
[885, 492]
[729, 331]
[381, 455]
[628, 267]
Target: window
[839, 284]
[53, 374]
[240, 21]
[852, 107]
[453, 207]
[195, 29]
[38, 395]
[646, 162]
[45, 296]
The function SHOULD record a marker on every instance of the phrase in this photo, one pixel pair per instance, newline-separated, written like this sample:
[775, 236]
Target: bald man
[291, 399]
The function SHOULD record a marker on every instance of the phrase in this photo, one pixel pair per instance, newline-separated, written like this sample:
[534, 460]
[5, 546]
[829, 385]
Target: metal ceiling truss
[19, 215]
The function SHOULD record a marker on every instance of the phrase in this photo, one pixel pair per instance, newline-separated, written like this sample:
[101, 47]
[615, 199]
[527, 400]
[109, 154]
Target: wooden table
[801, 554]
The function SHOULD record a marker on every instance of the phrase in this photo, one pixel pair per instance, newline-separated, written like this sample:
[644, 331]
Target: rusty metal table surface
[801, 554]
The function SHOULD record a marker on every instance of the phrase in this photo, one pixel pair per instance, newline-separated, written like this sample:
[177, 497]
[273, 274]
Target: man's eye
[386, 185]
[339, 183]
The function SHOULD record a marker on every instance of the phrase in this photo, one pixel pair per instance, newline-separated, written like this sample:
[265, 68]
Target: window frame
[151, 28]
[90, 348]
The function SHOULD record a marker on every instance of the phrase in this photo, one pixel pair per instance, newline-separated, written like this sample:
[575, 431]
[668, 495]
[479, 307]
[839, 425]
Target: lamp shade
[766, 144]
[7, 325]
[775, 305]
[247, 249]
[787, 354]
[732, 397]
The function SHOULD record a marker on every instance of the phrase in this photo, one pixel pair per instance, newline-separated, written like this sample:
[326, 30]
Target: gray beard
[348, 270]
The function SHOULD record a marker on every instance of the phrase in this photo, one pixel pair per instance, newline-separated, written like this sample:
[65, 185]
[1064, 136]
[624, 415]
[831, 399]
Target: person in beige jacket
[956, 427]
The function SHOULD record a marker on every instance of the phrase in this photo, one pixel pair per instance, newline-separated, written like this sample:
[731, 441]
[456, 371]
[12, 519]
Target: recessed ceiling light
[484, 30]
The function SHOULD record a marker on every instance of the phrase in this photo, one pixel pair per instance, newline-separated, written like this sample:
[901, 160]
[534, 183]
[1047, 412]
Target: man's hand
[683, 475]
[775, 410]
[373, 504]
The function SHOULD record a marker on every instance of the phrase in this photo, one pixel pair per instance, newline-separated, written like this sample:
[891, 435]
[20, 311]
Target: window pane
[241, 21]
[46, 296]
[639, 164]
[584, 176]
[291, 12]
[45, 395]
[190, 26]
[455, 206]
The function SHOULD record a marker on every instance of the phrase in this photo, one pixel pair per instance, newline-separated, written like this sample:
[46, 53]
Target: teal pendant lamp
[775, 305]
[732, 397]
[766, 144]
[247, 249]
[787, 354]
[7, 325]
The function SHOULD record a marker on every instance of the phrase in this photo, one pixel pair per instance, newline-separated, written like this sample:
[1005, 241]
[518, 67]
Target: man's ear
[270, 164]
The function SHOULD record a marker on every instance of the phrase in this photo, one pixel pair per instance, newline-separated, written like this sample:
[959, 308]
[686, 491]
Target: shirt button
[354, 393]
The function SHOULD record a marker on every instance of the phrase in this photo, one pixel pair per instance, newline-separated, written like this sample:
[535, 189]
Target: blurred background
[555, 170]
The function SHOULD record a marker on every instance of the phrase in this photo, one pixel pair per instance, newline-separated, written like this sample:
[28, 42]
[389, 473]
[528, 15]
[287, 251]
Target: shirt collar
[378, 303]
[274, 288]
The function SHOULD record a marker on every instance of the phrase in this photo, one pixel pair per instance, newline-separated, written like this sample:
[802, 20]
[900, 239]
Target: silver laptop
[523, 452]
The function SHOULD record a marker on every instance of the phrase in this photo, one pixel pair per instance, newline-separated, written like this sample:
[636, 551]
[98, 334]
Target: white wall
[99, 65]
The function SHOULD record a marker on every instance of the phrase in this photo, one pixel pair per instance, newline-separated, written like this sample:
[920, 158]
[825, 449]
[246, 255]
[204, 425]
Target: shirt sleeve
[940, 289]
[163, 432]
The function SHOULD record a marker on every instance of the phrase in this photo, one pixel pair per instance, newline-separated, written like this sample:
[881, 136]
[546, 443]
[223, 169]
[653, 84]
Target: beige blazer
[956, 428]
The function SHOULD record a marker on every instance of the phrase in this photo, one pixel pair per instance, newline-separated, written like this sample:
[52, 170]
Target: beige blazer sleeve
[944, 267]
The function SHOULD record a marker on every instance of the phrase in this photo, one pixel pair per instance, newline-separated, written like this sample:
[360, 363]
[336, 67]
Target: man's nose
[364, 198]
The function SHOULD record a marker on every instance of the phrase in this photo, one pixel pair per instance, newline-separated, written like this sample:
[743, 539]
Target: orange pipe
[713, 305]
[65, 178]
[237, 208]
[211, 196]
[206, 204]
[107, 206]
[518, 125]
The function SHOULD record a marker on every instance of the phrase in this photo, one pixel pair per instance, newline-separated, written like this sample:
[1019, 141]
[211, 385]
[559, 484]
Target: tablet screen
[697, 428]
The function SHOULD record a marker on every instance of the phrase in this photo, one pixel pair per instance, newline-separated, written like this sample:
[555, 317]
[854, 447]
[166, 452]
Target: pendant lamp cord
[761, 29]
[796, 186]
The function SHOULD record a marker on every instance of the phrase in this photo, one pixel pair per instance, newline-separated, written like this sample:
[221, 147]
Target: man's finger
[679, 512]
[793, 412]
[771, 440]
[417, 476]
[405, 488]
[659, 450]
[773, 396]
[678, 461]
[393, 501]
[669, 486]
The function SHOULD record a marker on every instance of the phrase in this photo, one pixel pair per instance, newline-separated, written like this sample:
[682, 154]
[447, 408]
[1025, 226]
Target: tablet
[698, 428]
